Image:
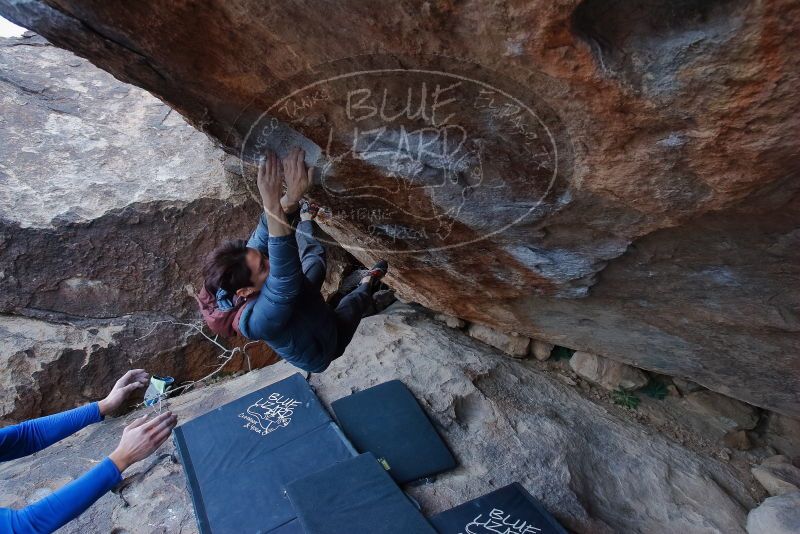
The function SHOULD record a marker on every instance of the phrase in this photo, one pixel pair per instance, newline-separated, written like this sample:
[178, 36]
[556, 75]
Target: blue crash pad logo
[499, 522]
[270, 414]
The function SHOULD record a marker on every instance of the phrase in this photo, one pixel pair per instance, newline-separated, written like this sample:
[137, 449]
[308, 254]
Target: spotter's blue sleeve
[34, 435]
[67, 503]
[64, 505]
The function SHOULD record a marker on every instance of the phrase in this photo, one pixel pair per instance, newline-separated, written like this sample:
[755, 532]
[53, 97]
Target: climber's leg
[312, 253]
[356, 304]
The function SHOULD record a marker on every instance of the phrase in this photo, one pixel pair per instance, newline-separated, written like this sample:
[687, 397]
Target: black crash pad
[355, 496]
[239, 457]
[509, 510]
[387, 421]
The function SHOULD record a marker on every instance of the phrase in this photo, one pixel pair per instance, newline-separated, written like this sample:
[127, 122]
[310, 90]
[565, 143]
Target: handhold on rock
[608, 373]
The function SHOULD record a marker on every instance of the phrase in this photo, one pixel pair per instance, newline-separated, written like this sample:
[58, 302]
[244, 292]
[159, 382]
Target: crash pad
[355, 496]
[509, 510]
[239, 457]
[387, 421]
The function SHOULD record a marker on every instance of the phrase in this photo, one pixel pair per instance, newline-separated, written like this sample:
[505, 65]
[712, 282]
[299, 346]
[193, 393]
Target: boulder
[608, 373]
[721, 412]
[777, 475]
[449, 320]
[48, 366]
[717, 419]
[505, 421]
[776, 515]
[613, 476]
[737, 439]
[541, 350]
[109, 201]
[577, 163]
[511, 343]
[783, 433]
[686, 386]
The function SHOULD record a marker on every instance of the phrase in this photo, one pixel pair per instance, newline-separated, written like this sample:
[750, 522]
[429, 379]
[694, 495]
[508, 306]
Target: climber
[139, 439]
[268, 288]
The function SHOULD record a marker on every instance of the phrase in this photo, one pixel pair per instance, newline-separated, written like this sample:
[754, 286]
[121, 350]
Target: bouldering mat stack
[239, 458]
[274, 462]
[387, 421]
[355, 496]
[509, 510]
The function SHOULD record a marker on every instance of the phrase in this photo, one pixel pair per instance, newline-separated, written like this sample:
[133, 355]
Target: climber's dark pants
[349, 313]
[352, 307]
[312, 254]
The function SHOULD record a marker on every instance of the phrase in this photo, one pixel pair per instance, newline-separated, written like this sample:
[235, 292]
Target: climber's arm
[276, 300]
[259, 239]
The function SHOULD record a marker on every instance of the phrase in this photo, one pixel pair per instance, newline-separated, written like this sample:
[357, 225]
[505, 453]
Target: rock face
[607, 373]
[619, 177]
[776, 515]
[512, 344]
[505, 421]
[778, 475]
[108, 201]
[541, 350]
[784, 434]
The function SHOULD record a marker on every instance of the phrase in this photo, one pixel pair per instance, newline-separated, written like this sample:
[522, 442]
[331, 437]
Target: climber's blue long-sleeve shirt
[288, 314]
[70, 501]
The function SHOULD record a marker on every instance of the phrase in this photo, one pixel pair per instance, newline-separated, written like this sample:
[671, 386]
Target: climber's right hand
[270, 184]
[296, 175]
[270, 181]
[141, 438]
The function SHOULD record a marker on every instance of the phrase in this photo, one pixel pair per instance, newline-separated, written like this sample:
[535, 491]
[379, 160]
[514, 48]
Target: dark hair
[225, 267]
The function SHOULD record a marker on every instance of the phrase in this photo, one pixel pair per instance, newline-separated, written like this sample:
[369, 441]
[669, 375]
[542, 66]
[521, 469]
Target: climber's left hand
[131, 381]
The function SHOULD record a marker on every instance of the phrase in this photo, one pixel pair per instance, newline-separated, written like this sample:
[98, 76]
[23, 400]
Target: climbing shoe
[308, 210]
[377, 273]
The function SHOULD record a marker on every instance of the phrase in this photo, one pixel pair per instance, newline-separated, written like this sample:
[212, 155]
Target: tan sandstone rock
[108, 202]
[613, 154]
[511, 343]
[540, 349]
[776, 515]
[449, 320]
[783, 433]
[721, 412]
[777, 475]
[484, 406]
[608, 373]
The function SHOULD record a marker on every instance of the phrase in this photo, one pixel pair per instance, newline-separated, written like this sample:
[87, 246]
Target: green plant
[625, 398]
[561, 353]
[655, 389]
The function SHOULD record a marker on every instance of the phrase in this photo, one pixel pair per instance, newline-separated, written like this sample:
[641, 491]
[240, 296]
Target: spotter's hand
[133, 380]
